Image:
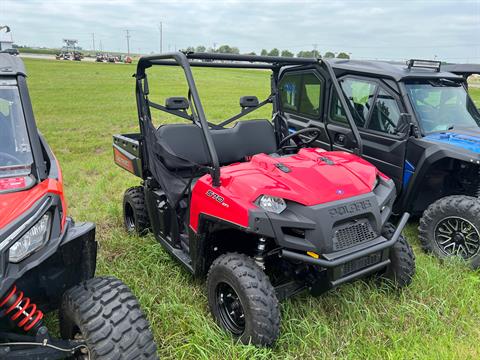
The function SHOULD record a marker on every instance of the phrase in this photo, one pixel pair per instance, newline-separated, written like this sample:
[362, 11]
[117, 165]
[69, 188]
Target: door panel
[382, 148]
[342, 137]
[387, 154]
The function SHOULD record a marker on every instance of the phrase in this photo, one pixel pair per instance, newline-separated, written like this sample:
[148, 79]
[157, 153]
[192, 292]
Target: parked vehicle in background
[416, 123]
[77, 56]
[63, 56]
[11, 51]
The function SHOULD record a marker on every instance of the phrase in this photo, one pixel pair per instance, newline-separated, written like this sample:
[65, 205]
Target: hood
[311, 177]
[467, 139]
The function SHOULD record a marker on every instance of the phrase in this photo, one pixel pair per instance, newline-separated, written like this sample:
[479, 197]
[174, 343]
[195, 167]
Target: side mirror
[177, 103]
[404, 123]
[248, 101]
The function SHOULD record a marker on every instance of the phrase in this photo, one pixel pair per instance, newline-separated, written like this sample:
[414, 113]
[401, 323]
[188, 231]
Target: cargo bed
[127, 152]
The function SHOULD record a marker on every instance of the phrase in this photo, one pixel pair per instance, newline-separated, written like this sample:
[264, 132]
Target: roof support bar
[182, 61]
[343, 101]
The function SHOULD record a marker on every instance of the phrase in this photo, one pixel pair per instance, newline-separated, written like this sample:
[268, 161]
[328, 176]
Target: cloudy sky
[448, 29]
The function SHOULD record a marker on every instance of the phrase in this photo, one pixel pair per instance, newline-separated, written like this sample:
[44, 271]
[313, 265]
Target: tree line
[226, 49]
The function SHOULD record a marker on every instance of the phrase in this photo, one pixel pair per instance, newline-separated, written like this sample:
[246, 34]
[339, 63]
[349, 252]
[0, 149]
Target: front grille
[355, 265]
[353, 233]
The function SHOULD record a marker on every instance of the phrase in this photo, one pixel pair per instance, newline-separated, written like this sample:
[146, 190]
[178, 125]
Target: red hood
[315, 177]
[14, 204]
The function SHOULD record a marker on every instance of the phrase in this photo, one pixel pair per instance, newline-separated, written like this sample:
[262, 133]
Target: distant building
[5, 44]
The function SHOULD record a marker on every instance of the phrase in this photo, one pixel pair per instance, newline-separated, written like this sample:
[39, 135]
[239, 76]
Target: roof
[219, 60]
[461, 69]
[395, 70]
[11, 65]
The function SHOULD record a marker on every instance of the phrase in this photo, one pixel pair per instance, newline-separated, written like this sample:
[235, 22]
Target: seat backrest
[246, 138]
[185, 141]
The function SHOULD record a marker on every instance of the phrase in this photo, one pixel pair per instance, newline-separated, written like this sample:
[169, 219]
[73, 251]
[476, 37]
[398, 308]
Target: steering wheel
[8, 158]
[311, 134]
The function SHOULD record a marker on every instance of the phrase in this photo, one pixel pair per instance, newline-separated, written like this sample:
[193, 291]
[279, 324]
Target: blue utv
[416, 122]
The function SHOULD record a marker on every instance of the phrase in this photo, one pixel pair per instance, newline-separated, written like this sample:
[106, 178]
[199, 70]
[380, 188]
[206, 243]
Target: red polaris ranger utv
[47, 262]
[252, 207]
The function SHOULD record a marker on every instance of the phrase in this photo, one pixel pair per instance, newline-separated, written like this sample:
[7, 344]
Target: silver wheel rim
[456, 236]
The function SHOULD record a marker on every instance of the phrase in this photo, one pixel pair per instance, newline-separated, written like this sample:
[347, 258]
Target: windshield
[15, 152]
[442, 105]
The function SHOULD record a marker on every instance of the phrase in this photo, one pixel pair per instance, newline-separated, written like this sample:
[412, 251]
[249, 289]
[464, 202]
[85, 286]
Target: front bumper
[336, 260]
[68, 257]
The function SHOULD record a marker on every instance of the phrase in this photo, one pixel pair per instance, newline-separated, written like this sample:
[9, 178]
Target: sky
[448, 30]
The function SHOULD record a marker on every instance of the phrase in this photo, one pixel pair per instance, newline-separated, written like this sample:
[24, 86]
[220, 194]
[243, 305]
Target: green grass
[79, 106]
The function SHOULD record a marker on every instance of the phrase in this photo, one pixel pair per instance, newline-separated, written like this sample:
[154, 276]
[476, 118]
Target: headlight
[272, 203]
[31, 241]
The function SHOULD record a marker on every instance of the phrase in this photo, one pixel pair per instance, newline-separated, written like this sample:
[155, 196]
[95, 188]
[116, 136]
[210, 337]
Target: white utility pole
[160, 28]
[128, 41]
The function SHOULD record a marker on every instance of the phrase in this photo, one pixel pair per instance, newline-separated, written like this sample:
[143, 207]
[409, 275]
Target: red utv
[47, 262]
[251, 206]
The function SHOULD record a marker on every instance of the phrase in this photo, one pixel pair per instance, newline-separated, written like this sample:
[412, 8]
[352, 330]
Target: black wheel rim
[129, 218]
[456, 236]
[230, 309]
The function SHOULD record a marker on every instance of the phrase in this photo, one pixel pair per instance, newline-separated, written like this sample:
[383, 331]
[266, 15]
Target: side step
[180, 254]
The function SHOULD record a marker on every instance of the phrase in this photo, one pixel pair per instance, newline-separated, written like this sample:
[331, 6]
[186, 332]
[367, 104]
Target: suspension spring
[21, 310]
[259, 258]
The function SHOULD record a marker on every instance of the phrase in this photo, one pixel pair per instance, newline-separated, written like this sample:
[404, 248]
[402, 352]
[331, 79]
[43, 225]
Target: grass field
[79, 106]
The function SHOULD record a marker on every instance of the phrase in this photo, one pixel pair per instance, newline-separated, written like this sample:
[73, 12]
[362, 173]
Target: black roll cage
[189, 59]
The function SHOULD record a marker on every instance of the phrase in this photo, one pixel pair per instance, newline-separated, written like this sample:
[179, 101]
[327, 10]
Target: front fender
[432, 154]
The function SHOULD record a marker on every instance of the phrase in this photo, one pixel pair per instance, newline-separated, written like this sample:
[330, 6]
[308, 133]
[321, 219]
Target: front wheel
[451, 227]
[242, 299]
[106, 315]
[401, 269]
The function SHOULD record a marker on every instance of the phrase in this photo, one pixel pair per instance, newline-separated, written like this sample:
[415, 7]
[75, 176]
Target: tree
[343, 55]
[309, 54]
[252, 53]
[224, 49]
[329, 55]
[200, 49]
[274, 52]
[264, 52]
[286, 53]
[189, 49]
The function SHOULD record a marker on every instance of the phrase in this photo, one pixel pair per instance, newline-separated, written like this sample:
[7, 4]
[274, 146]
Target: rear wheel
[401, 269]
[135, 214]
[243, 300]
[451, 227]
[106, 315]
